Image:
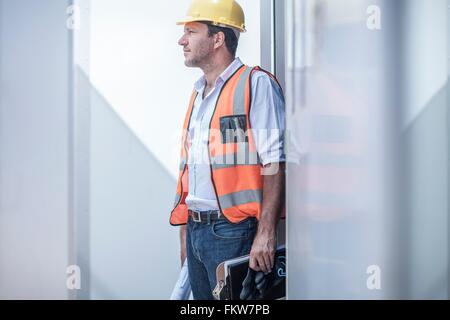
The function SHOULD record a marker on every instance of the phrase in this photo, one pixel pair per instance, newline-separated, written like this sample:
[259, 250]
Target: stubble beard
[199, 59]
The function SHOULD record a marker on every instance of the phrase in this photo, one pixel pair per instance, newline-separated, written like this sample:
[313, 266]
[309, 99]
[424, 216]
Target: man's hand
[262, 254]
[182, 244]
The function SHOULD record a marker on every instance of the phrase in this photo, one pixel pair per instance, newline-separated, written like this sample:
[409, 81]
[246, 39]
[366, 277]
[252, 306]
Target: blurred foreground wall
[368, 176]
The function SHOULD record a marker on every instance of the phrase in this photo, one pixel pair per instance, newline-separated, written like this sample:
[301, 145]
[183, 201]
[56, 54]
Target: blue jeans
[208, 245]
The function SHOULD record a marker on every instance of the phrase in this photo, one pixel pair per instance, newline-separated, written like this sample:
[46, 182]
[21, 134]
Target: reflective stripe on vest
[240, 197]
[239, 93]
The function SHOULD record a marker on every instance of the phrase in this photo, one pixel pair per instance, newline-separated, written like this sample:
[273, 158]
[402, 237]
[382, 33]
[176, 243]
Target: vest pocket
[233, 129]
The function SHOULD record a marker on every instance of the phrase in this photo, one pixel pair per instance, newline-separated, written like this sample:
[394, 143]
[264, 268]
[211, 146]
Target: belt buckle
[199, 219]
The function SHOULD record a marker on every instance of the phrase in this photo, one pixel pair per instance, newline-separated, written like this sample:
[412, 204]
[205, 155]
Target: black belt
[205, 216]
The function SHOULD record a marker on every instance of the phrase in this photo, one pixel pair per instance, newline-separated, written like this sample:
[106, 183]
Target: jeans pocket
[226, 230]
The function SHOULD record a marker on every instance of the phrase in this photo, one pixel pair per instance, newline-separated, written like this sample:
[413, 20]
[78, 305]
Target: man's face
[197, 46]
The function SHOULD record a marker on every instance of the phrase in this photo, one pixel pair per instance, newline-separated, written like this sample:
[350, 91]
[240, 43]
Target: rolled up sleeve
[267, 118]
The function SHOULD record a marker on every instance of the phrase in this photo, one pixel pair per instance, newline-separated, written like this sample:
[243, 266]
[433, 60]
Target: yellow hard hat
[227, 13]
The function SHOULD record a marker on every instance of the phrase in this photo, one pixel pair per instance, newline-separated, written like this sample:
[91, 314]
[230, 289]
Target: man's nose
[182, 41]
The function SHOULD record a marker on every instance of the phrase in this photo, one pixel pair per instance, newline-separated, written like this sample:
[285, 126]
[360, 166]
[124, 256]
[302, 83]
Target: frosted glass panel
[368, 145]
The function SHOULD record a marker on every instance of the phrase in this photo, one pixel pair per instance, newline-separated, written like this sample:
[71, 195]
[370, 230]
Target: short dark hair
[231, 40]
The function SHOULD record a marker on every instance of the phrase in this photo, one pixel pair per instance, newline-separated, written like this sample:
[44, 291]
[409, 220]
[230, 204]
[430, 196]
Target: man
[230, 192]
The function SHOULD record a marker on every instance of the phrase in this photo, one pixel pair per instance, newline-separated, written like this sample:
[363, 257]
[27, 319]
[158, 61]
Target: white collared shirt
[267, 113]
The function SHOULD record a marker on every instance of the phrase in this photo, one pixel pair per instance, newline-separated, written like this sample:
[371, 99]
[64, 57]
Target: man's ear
[219, 39]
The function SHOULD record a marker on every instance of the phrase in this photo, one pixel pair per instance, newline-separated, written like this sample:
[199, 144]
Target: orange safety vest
[235, 166]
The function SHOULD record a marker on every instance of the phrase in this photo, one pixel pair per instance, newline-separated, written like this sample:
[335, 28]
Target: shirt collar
[225, 75]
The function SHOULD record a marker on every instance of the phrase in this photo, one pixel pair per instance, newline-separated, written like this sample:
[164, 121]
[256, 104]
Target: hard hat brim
[191, 19]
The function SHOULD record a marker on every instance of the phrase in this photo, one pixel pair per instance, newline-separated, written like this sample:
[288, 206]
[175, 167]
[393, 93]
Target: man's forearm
[182, 244]
[273, 199]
